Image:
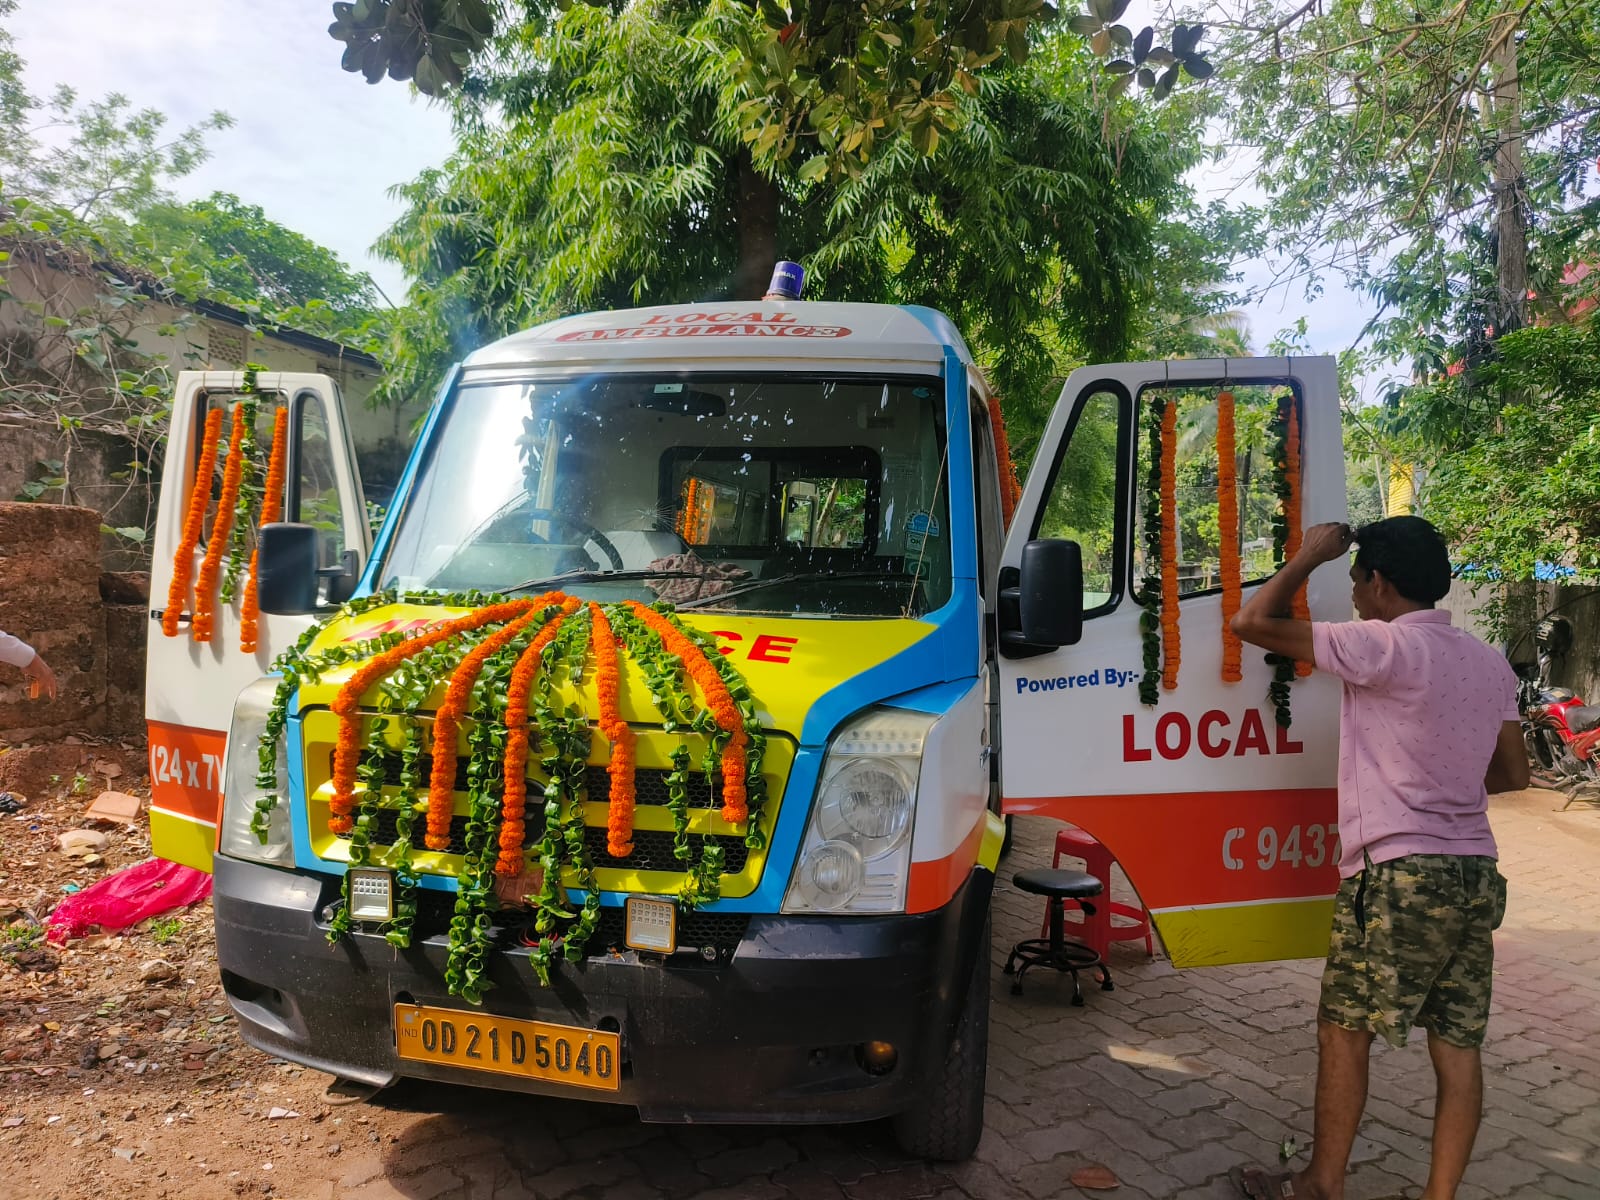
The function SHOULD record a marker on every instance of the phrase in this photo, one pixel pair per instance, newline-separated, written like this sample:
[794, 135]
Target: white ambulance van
[817, 488]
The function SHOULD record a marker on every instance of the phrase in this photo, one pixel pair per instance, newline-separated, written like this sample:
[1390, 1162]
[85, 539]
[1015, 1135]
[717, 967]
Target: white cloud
[314, 146]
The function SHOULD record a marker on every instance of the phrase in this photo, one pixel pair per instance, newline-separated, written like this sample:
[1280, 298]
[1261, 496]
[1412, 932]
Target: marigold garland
[621, 765]
[518, 615]
[347, 701]
[519, 736]
[510, 692]
[1010, 489]
[719, 702]
[203, 624]
[1228, 527]
[271, 510]
[193, 522]
[686, 523]
[1170, 643]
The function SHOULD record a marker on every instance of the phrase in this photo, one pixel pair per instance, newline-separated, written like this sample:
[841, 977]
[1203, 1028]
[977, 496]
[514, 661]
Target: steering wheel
[589, 532]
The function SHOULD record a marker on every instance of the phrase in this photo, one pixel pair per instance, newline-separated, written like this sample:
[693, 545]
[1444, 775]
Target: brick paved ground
[1169, 1081]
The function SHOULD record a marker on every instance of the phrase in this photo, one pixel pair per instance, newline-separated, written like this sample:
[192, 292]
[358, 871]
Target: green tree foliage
[1431, 151]
[95, 158]
[248, 256]
[1440, 156]
[1530, 492]
[824, 81]
[601, 164]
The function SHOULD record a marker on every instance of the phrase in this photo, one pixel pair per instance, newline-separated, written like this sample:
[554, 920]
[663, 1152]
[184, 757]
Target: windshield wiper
[755, 585]
[594, 576]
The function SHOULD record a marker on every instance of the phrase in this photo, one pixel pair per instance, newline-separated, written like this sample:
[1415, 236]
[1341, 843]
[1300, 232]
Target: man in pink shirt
[1428, 726]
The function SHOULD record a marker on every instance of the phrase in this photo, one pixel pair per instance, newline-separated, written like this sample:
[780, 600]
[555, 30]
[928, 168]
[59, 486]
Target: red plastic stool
[1099, 930]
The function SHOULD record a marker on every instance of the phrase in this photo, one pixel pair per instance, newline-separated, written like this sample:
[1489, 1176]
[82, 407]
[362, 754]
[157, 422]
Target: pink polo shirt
[1423, 704]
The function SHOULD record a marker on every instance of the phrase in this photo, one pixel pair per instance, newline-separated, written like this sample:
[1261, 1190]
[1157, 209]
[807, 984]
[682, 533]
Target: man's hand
[41, 678]
[1324, 543]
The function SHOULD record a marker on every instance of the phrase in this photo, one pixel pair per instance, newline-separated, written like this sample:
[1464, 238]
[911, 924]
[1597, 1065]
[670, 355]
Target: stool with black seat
[1058, 952]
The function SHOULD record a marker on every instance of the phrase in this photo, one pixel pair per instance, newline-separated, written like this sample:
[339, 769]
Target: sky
[318, 148]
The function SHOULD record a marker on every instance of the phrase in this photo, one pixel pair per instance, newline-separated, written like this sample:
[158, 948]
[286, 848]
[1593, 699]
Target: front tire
[947, 1122]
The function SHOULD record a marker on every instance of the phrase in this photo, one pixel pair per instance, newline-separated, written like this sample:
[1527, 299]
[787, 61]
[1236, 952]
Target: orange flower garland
[1010, 489]
[193, 522]
[1169, 546]
[514, 798]
[271, 510]
[204, 622]
[518, 615]
[1228, 522]
[621, 766]
[686, 525]
[347, 702]
[1300, 608]
[735, 803]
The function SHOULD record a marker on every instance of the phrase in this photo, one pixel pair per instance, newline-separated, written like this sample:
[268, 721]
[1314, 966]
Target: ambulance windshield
[800, 495]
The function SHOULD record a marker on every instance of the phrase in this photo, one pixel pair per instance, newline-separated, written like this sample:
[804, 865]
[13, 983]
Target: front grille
[696, 929]
[649, 784]
[652, 848]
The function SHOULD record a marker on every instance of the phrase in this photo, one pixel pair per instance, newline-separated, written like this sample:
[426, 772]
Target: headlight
[857, 850]
[240, 790]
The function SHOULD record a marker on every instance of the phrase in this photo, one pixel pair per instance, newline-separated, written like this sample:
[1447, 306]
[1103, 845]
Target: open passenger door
[190, 686]
[1225, 822]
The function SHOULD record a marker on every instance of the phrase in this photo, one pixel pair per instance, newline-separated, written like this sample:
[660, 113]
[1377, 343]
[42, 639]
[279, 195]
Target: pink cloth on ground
[1423, 704]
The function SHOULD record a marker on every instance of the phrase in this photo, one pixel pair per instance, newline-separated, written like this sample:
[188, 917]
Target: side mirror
[287, 569]
[1041, 606]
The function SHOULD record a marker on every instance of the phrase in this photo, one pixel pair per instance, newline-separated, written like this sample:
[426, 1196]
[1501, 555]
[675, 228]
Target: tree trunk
[1511, 229]
[758, 231]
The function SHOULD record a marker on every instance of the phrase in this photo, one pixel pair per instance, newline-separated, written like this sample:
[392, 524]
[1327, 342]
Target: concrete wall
[1580, 605]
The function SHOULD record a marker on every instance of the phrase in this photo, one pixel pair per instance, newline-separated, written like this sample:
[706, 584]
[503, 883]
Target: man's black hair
[1410, 553]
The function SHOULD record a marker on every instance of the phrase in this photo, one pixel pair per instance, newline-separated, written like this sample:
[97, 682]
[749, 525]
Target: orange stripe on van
[1190, 848]
[186, 770]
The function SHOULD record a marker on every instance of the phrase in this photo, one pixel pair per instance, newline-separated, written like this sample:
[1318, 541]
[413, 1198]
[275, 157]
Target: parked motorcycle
[1560, 731]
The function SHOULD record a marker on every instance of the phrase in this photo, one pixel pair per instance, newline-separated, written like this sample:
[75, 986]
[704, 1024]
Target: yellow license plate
[532, 1049]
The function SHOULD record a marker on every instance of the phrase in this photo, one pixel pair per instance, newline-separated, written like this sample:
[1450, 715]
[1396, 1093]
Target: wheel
[589, 532]
[1005, 844]
[947, 1122]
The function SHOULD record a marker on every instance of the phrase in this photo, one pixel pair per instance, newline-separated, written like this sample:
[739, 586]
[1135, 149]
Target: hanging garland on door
[1148, 591]
[1284, 428]
[203, 624]
[1228, 530]
[500, 664]
[1010, 489]
[271, 510]
[193, 524]
[1171, 644]
[228, 553]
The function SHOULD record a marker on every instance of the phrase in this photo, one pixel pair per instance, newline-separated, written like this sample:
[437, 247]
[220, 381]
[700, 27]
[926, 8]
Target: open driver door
[190, 686]
[1224, 819]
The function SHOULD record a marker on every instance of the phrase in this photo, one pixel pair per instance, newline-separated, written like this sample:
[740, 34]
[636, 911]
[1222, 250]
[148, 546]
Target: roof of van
[794, 330]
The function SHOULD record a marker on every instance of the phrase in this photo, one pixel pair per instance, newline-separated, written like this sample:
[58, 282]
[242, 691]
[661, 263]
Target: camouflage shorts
[1413, 943]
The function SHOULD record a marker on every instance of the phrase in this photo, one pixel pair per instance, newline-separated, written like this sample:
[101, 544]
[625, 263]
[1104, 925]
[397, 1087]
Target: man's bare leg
[1341, 1096]
[1456, 1111]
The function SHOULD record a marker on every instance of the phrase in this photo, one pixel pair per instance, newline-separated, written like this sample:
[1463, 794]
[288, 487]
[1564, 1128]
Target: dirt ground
[117, 1049]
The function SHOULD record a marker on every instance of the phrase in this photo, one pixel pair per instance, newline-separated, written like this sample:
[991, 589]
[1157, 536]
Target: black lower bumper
[772, 1034]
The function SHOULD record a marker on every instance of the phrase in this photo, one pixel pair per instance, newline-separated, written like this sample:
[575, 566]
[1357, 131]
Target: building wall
[97, 457]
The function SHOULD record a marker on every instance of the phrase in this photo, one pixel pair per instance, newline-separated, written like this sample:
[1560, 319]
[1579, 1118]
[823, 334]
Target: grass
[165, 930]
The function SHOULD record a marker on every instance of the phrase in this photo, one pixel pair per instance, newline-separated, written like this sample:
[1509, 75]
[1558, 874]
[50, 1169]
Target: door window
[1081, 502]
[314, 494]
[1198, 530]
